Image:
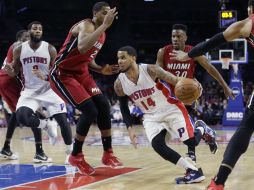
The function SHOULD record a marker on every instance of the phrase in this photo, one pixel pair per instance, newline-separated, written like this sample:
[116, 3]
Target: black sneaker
[7, 154]
[209, 136]
[41, 158]
[191, 176]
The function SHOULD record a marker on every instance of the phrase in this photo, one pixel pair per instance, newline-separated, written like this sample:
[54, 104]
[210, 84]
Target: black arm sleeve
[125, 110]
[204, 47]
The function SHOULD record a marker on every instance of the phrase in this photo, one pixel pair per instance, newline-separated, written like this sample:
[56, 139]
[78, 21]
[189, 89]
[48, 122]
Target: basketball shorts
[174, 118]
[49, 99]
[74, 88]
[10, 91]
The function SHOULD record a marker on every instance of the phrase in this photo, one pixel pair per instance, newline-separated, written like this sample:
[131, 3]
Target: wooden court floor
[154, 173]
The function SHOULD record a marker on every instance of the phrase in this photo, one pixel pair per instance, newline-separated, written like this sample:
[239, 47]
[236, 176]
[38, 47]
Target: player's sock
[7, 144]
[222, 175]
[38, 146]
[77, 147]
[185, 164]
[107, 143]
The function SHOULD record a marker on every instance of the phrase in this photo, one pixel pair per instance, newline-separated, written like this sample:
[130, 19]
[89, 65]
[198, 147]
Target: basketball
[188, 90]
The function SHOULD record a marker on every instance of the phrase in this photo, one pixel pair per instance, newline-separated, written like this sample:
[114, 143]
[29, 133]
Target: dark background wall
[145, 25]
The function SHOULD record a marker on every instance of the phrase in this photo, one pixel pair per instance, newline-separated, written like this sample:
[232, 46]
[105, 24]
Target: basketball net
[225, 62]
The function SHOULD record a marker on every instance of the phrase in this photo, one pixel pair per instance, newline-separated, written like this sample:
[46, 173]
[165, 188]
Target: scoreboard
[227, 17]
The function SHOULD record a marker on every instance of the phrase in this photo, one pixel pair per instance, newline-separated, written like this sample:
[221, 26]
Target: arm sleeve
[205, 46]
[125, 110]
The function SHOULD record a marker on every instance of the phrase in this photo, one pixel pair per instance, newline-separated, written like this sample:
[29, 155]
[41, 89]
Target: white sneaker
[51, 128]
[41, 158]
[7, 154]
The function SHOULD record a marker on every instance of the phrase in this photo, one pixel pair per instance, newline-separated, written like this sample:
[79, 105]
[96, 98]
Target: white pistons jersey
[148, 95]
[38, 59]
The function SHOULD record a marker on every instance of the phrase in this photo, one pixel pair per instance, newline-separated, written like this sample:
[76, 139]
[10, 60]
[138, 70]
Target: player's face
[25, 36]
[250, 10]
[178, 38]
[124, 61]
[36, 33]
[102, 13]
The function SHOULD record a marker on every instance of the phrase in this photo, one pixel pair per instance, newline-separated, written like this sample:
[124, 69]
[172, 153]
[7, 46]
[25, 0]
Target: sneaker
[109, 160]
[83, 167]
[209, 136]
[214, 186]
[51, 128]
[191, 176]
[41, 158]
[7, 154]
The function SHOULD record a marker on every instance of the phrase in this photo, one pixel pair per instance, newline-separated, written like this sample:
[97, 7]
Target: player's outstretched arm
[87, 35]
[123, 99]
[157, 72]
[203, 61]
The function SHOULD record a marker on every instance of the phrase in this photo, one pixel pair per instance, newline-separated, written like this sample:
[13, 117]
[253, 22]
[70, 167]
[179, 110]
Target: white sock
[202, 130]
[43, 123]
[68, 148]
[185, 164]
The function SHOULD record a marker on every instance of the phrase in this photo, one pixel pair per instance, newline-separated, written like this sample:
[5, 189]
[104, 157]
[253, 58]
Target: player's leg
[58, 112]
[40, 156]
[156, 134]
[237, 145]
[26, 115]
[70, 89]
[104, 124]
[6, 150]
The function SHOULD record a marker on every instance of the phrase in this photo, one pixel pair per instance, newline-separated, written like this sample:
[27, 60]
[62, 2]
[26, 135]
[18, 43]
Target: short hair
[250, 3]
[31, 24]
[129, 49]
[20, 33]
[180, 27]
[98, 6]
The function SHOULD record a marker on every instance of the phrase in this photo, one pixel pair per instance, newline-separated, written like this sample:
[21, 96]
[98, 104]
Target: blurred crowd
[209, 107]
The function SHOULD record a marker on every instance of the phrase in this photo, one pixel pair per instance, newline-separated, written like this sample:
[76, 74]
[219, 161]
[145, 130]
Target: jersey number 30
[181, 74]
[149, 103]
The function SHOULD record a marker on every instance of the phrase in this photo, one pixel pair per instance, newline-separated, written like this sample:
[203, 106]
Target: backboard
[235, 50]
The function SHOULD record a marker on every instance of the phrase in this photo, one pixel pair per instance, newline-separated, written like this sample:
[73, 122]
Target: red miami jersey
[179, 68]
[70, 59]
[250, 39]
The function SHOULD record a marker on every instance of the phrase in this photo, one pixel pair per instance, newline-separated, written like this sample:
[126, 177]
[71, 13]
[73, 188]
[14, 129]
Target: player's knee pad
[88, 116]
[103, 107]
[159, 145]
[27, 117]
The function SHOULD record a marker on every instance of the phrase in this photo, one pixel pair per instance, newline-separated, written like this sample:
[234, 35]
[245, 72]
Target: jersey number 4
[149, 102]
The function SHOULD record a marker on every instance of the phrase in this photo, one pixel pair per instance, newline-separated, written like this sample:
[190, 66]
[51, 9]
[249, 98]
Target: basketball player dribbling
[187, 69]
[10, 88]
[163, 113]
[239, 142]
[71, 80]
[33, 59]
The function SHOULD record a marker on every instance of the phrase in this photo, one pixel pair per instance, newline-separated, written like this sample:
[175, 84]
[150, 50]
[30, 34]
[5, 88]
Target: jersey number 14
[149, 102]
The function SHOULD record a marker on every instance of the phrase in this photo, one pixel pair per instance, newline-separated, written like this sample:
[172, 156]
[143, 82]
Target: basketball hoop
[225, 62]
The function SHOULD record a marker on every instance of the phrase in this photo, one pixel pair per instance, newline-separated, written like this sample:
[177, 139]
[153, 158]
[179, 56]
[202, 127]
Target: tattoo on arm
[157, 72]
[118, 88]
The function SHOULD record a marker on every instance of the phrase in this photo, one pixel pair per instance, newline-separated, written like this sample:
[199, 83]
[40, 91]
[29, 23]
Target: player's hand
[229, 93]
[110, 69]
[133, 137]
[38, 74]
[110, 16]
[9, 69]
[179, 55]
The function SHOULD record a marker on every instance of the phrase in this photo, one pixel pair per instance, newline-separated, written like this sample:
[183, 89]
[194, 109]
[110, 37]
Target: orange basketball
[188, 90]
